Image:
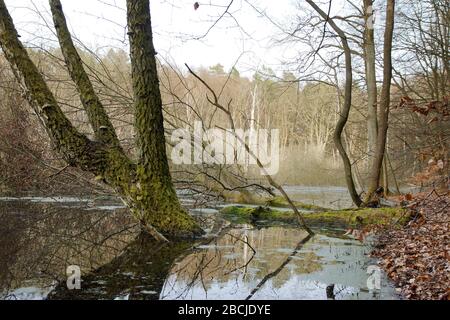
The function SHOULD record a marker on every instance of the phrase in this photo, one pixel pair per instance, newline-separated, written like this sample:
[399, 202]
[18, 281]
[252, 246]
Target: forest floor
[417, 256]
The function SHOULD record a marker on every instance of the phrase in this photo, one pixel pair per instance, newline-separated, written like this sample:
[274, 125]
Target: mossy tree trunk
[156, 188]
[146, 185]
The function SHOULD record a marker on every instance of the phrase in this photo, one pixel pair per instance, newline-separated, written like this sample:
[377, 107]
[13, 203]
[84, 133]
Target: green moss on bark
[98, 118]
[145, 187]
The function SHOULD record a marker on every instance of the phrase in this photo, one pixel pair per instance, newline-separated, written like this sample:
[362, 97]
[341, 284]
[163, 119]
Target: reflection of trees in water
[242, 255]
[138, 273]
[280, 268]
[39, 241]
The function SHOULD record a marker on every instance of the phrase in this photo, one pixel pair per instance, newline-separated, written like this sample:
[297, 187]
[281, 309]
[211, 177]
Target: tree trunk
[98, 118]
[371, 81]
[146, 187]
[156, 192]
[344, 113]
[385, 102]
[385, 172]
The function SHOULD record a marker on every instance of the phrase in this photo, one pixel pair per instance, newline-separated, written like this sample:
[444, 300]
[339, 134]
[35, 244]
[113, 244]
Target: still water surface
[40, 237]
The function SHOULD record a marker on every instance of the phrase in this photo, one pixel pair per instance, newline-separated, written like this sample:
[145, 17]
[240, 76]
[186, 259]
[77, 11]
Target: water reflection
[272, 263]
[39, 240]
[138, 273]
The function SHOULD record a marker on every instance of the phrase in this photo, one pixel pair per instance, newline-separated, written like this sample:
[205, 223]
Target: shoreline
[416, 257]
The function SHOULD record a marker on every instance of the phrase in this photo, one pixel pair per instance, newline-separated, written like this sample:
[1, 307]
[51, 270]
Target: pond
[41, 237]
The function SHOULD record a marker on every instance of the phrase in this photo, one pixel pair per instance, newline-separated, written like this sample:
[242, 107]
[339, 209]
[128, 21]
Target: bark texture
[146, 187]
[156, 188]
[98, 118]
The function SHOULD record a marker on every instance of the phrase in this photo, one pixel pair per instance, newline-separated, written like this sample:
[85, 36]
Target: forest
[314, 168]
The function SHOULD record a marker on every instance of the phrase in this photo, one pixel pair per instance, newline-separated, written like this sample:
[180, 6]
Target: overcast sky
[101, 24]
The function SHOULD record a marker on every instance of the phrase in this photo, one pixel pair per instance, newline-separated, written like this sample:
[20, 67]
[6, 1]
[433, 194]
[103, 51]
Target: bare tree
[344, 113]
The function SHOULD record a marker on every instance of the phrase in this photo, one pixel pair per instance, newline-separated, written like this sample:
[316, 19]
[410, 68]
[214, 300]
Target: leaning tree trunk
[344, 113]
[146, 186]
[384, 104]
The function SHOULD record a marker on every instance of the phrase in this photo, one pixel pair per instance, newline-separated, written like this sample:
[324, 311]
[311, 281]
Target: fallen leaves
[409, 197]
[359, 235]
[417, 257]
